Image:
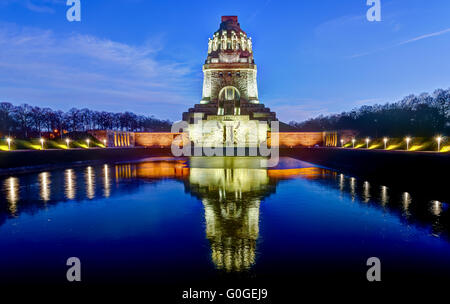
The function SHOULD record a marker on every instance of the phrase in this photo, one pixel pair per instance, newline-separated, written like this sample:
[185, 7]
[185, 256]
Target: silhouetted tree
[23, 119]
[422, 115]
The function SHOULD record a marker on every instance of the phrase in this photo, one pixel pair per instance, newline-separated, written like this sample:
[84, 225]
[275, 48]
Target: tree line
[29, 121]
[421, 116]
[424, 115]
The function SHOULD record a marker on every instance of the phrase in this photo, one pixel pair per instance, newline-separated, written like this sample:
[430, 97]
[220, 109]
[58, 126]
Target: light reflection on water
[384, 196]
[366, 191]
[90, 182]
[44, 180]
[436, 208]
[353, 188]
[106, 181]
[70, 184]
[11, 186]
[231, 197]
[406, 202]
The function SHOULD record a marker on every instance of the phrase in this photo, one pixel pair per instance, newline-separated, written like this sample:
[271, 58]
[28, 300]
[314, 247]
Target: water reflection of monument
[230, 189]
[231, 198]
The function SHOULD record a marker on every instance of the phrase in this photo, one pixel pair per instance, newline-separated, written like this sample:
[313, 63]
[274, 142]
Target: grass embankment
[75, 141]
[415, 144]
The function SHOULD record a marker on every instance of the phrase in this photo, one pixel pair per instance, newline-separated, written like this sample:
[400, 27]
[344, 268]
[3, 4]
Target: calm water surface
[214, 219]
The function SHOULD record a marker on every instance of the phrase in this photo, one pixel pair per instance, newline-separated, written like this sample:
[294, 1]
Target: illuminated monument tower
[229, 113]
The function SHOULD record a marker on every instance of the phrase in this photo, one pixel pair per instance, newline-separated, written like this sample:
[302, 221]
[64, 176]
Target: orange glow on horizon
[162, 169]
[309, 173]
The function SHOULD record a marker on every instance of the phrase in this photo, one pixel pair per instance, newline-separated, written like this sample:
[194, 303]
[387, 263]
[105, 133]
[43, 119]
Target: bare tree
[23, 116]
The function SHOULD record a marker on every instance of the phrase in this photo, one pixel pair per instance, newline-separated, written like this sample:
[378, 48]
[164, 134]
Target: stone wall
[299, 139]
[286, 139]
[158, 139]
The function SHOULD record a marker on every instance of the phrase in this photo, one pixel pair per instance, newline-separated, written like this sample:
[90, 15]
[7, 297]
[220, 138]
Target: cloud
[426, 36]
[38, 8]
[41, 6]
[299, 109]
[338, 25]
[40, 66]
[418, 38]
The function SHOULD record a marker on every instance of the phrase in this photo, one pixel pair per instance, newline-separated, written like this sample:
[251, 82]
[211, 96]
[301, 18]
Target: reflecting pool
[206, 220]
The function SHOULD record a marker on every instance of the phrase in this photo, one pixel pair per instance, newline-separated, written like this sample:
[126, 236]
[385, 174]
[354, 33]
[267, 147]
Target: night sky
[314, 56]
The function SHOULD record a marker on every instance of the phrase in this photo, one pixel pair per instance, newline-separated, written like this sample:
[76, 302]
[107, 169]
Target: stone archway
[229, 101]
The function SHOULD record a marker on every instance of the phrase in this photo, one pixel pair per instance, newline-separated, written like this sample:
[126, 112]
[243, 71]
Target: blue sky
[314, 56]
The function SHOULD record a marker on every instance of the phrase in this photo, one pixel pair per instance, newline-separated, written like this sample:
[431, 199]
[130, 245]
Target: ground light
[353, 142]
[439, 139]
[408, 139]
[385, 140]
[367, 142]
[104, 142]
[67, 143]
[42, 143]
[342, 143]
[88, 141]
[9, 143]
